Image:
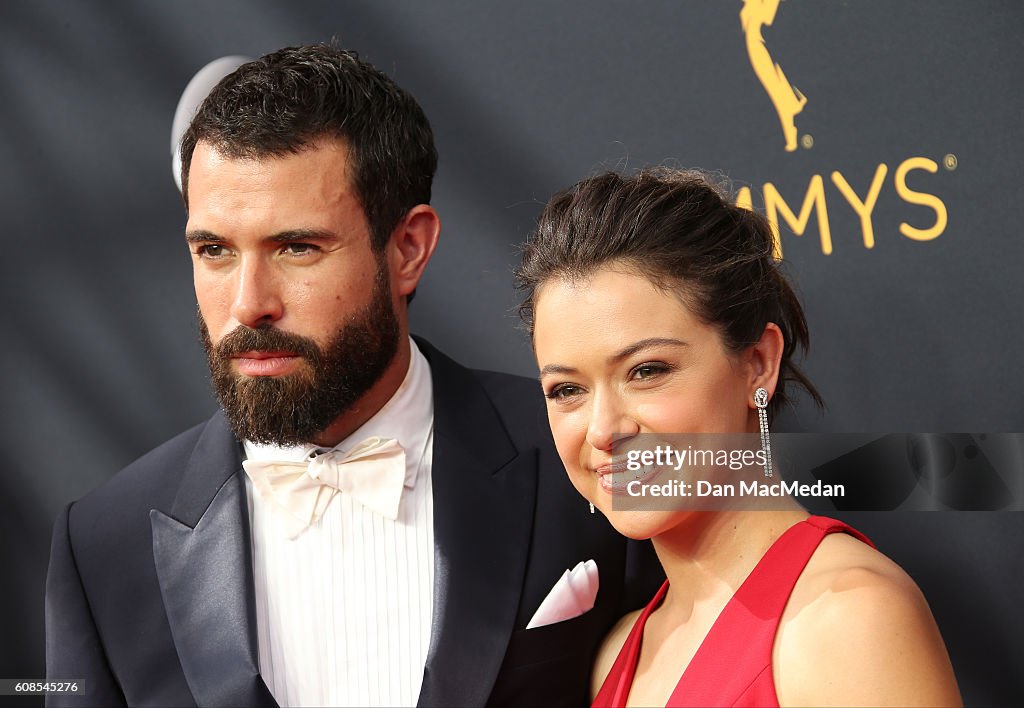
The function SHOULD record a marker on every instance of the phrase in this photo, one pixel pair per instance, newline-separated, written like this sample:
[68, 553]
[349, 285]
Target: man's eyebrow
[290, 236]
[201, 236]
[293, 235]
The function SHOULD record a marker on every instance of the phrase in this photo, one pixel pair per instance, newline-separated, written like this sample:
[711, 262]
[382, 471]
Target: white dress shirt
[343, 611]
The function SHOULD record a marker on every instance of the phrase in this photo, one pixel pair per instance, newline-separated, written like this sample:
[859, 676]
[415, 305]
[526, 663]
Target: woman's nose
[610, 422]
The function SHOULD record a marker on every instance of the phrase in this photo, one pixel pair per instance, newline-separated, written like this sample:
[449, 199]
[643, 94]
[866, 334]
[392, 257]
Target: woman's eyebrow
[648, 343]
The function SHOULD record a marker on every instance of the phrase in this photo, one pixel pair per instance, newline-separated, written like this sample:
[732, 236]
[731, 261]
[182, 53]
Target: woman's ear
[764, 358]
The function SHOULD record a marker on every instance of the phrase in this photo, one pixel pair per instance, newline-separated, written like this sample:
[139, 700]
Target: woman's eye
[647, 371]
[563, 392]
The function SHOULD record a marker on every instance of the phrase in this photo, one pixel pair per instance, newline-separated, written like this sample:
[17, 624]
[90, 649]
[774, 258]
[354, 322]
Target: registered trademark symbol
[949, 162]
[807, 141]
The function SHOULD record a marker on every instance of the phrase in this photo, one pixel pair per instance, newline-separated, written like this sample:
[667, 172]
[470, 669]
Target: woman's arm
[862, 634]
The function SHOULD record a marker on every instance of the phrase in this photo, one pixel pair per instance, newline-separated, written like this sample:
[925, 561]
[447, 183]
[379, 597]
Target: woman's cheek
[568, 439]
[664, 414]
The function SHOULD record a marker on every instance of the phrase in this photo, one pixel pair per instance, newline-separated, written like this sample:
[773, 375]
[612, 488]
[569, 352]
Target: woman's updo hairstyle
[678, 229]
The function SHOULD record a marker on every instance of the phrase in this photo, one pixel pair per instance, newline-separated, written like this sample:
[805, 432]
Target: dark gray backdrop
[102, 360]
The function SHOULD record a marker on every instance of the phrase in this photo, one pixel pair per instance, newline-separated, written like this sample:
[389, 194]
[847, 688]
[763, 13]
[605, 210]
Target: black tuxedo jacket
[149, 597]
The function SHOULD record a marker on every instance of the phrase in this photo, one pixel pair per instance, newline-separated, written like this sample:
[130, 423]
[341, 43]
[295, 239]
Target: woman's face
[620, 357]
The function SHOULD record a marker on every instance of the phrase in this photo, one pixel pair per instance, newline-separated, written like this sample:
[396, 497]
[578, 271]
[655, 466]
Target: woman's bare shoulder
[609, 650]
[858, 631]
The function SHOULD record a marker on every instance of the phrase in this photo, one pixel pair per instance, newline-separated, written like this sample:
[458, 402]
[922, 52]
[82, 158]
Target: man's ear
[410, 247]
[764, 359]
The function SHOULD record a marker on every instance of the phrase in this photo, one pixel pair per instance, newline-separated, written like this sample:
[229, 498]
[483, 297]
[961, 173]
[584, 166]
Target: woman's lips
[615, 477]
[265, 363]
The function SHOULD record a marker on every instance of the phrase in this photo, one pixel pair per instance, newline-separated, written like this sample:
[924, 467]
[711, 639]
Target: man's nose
[611, 422]
[257, 299]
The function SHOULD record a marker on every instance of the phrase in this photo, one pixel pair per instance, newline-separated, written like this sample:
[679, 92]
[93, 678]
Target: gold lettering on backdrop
[745, 199]
[863, 208]
[787, 99]
[774, 205]
[788, 102]
[912, 197]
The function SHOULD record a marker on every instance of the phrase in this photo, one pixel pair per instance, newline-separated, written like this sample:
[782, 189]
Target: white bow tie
[373, 472]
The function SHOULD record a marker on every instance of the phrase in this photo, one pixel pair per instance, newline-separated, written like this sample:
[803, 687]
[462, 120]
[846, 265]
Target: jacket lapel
[483, 491]
[202, 551]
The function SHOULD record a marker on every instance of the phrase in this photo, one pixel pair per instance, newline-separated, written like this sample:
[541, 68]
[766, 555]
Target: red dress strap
[732, 666]
[615, 689]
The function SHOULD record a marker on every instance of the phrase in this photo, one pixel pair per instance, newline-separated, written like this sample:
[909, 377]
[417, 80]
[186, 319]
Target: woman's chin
[642, 525]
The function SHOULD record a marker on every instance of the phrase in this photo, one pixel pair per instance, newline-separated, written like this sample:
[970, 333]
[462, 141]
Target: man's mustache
[269, 339]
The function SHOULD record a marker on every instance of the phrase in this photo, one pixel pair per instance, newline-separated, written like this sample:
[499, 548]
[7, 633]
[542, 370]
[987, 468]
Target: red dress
[733, 666]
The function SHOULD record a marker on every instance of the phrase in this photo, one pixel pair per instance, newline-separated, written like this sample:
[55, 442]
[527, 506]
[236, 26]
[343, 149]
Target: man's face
[296, 311]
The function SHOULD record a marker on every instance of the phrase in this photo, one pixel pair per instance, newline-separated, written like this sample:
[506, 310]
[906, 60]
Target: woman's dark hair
[285, 101]
[677, 228]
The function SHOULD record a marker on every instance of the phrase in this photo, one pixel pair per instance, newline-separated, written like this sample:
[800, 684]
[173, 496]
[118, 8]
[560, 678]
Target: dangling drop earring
[591, 507]
[761, 401]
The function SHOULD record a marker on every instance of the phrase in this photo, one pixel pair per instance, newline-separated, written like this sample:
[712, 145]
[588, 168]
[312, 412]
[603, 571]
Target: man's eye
[299, 249]
[564, 392]
[211, 250]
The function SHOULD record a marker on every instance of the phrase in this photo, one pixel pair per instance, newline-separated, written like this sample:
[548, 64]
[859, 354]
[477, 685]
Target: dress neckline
[758, 601]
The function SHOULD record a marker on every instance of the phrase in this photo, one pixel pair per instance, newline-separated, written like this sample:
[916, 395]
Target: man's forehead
[319, 167]
[327, 148]
[308, 189]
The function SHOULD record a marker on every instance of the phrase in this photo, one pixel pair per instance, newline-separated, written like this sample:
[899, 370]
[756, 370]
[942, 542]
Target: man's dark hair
[285, 101]
[678, 229]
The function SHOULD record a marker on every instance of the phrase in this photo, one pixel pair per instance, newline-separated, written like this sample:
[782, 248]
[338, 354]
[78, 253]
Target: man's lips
[265, 363]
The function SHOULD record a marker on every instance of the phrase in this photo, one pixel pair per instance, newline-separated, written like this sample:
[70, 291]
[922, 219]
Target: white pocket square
[573, 594]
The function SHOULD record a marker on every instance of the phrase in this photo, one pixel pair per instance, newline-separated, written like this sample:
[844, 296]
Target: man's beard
[296, 407]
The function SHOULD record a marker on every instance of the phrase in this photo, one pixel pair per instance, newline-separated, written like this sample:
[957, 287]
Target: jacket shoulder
[510, 388]
[149, 482]
[464, 394]
[519, 402]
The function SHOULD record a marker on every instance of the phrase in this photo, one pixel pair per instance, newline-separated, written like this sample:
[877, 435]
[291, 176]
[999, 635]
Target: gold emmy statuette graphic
[787, 99]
